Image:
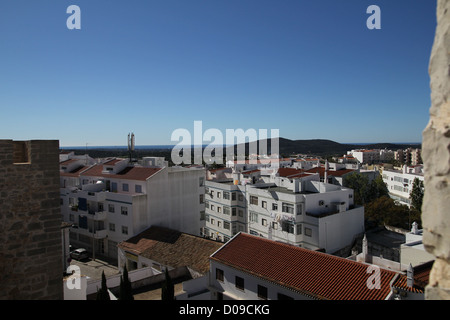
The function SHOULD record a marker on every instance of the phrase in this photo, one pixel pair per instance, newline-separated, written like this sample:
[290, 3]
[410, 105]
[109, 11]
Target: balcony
[99, 215]
[99, 234]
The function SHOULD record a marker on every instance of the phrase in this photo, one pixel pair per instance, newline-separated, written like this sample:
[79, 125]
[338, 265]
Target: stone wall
[30, 220]
[436, 158]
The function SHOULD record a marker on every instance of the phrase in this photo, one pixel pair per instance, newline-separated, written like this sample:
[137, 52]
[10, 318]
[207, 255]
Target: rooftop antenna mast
[131, 145]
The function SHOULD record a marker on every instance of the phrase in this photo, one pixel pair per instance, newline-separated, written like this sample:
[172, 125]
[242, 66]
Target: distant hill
[323, 147]
[318, 147]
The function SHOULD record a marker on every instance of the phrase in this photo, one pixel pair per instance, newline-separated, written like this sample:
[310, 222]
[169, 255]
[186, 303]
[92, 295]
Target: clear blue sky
[310, 68]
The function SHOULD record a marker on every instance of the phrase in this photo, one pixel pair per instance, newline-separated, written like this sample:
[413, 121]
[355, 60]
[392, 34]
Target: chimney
[414, 229]
[410, 276]
[365, 248]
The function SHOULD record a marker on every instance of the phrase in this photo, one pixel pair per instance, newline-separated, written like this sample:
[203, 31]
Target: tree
[416, 195]
[167, 289]
[102, 293]
[125, 291]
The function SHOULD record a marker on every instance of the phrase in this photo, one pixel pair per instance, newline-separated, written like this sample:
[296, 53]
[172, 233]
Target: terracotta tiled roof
[337, 173]
[112, 162]
[74, 173]
[315, 274]
[69, 161]
[289, 172]
[421, 278]
[129, 173]
[173, 248]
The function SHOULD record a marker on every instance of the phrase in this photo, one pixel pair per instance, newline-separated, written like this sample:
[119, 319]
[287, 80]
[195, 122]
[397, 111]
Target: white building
[286, 205]
[115, 200]
[413, 251]
[400, 183]
[252, 268]
[371, 156]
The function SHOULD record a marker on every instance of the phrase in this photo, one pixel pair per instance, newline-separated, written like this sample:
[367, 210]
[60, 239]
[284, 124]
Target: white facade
[111, 202]
[400, 183]
[372, 156]
[301, 211]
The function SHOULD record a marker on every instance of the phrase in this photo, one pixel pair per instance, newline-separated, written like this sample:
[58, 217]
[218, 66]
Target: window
[308, 232]
[212, 221]
[241, 197]
[299, 229]
[219, 195]
[226, 210]
[219, 275]
[124, 211]
[219, 209]
[201, 198]
[207, 204]
[239, 282]
[254, 200]
[111, 208]
[287, 207]
[226, 195]
[241, 213]
[274, 206]
[226, 225]
[125, 187]
[112, 227]
[281, 296]
[124, 230]
[138, 188]
[201, 181]
[262, 292]
[213, 207]
[264, 204]
[219, 224]
[287, 227]
[275, 225]
[264, 222]
[253, 217]
[299, 209]
[233, 196]
[233, 211]
[100, 207]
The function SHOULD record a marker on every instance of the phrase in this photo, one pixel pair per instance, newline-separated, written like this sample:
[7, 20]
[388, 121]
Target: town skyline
[313, 70]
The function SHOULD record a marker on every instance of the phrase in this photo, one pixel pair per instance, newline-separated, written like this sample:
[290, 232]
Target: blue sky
[311, 69]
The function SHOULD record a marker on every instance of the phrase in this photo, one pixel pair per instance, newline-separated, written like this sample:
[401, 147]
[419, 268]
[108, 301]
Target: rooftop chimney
[410, 276]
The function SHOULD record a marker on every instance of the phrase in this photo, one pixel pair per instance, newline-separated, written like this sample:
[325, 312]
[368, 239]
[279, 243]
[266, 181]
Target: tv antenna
[131, 145]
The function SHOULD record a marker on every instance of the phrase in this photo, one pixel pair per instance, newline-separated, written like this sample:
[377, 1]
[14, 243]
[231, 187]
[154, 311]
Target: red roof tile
[315, 274]
[172, 248]
[129, 173]
[289, 172]
[421, 278]
[74, 173]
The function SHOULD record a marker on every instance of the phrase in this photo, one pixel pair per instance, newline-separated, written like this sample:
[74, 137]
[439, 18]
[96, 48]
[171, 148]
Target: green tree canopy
[102, 293]
[167, 289]
[417, 193]
[125, 291]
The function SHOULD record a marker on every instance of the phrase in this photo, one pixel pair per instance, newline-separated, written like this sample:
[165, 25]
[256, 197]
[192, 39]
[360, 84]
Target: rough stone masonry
[436, 158]
[30, 220]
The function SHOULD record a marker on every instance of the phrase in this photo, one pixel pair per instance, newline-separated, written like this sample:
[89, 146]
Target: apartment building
[400, 182]
[283, 204]
[371, 156]
[112, 201]
[409, 156]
